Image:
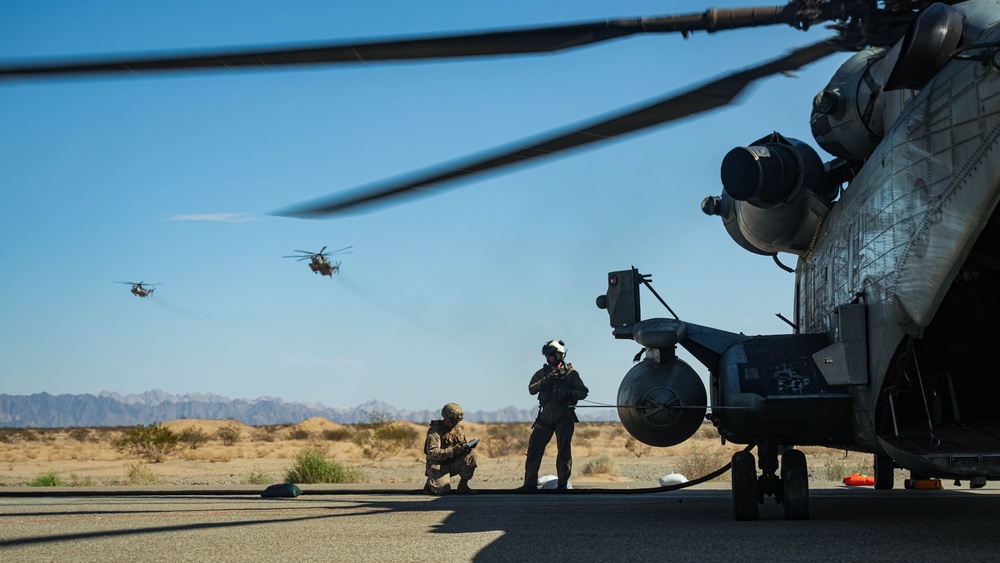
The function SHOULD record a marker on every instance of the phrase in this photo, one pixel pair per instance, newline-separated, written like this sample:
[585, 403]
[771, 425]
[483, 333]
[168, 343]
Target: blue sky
[170, 179]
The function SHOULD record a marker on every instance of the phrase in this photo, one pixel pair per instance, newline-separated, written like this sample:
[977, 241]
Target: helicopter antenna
[646, 281]
[795, 327]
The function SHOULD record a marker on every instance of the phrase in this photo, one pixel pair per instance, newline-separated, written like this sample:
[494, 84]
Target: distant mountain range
[43, 410]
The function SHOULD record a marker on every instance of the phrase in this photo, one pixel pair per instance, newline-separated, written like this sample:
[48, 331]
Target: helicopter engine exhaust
[662, 403]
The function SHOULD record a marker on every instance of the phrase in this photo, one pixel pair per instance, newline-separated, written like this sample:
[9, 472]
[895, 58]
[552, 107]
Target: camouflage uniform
[558, 392]
[445, 457]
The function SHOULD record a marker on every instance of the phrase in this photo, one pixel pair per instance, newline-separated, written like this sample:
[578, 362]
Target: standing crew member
[558, 387]
[448, 453]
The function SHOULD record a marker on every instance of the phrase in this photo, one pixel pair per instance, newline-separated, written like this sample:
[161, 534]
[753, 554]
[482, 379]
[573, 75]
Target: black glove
[562, 394]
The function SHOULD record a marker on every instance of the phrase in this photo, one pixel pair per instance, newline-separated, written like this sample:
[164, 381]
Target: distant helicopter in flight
[141, 289]
[319, 262]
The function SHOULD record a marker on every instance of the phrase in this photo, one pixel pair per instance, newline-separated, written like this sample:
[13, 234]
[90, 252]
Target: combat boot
[464, 489]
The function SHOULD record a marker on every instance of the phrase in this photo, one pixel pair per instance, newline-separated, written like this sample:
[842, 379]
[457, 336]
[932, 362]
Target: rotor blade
[508, 42]
[712, 95]
[341, 251]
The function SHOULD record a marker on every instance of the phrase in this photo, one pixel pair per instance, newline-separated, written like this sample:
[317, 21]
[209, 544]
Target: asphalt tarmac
[354, 523]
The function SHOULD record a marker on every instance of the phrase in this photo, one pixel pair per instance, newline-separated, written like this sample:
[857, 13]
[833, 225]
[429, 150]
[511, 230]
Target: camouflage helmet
[452, 411]
[554, 346]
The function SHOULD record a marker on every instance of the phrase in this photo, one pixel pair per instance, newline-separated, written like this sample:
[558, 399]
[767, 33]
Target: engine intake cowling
[775, 197]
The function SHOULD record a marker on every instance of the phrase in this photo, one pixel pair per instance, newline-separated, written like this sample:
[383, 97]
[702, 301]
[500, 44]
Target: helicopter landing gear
[795, 479]
[745, 486]
[884, 472]
[791, 489]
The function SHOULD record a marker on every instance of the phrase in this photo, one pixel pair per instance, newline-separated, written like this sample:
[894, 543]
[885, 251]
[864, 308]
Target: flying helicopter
[319, 262]
[894, 237]
[141, 289]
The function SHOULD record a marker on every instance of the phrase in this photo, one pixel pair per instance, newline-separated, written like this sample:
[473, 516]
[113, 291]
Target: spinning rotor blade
[341, 251]
[712, 95]
[520, 41]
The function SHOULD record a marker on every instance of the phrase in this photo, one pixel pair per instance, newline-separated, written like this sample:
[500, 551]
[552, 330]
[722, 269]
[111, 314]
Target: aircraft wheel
[745, 505]
[884, 474]
[795, 479]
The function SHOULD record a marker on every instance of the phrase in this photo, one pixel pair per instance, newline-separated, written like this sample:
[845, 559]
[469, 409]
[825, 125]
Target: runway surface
[329, 524]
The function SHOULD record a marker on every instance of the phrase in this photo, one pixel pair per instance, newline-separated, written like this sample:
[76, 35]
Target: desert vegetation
[381, 450]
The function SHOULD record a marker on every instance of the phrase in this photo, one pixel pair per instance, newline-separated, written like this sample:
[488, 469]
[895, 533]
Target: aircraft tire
[795, 480]
[884, 474]
[744, 475]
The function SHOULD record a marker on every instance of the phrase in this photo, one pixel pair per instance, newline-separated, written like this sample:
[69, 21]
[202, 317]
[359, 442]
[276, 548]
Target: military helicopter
[895, 235]
[319, 262]
[141, 289]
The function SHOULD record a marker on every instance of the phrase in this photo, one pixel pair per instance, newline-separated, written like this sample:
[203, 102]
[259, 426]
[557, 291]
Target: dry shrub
[263, 434]
[193, 437]
[637, 448]
[585, 432]
[224, 455]
[382, 437]
[601, 465]
[139, 473]
[701, 463]
[77, 481]
[228, 435]
[707, 431]
[107, 434]
[258, 477]
[154, 442]
[300, 434]
[506, 439]
[338, 434]
[836, 470]
[79, 434]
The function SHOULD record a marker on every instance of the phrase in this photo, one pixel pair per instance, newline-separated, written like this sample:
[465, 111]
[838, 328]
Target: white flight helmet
[557, 346]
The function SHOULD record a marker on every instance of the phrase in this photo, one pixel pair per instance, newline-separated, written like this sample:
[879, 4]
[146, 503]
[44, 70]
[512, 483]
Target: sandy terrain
[230, 452]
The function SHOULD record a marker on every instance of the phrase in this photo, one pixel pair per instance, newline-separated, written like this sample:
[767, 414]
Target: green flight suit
[558, 392]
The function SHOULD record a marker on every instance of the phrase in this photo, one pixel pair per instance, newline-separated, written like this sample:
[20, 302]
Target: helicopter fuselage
[322, 267]
[906, 241]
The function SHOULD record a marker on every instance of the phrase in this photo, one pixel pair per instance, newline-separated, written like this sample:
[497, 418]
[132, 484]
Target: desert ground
[226, 452]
